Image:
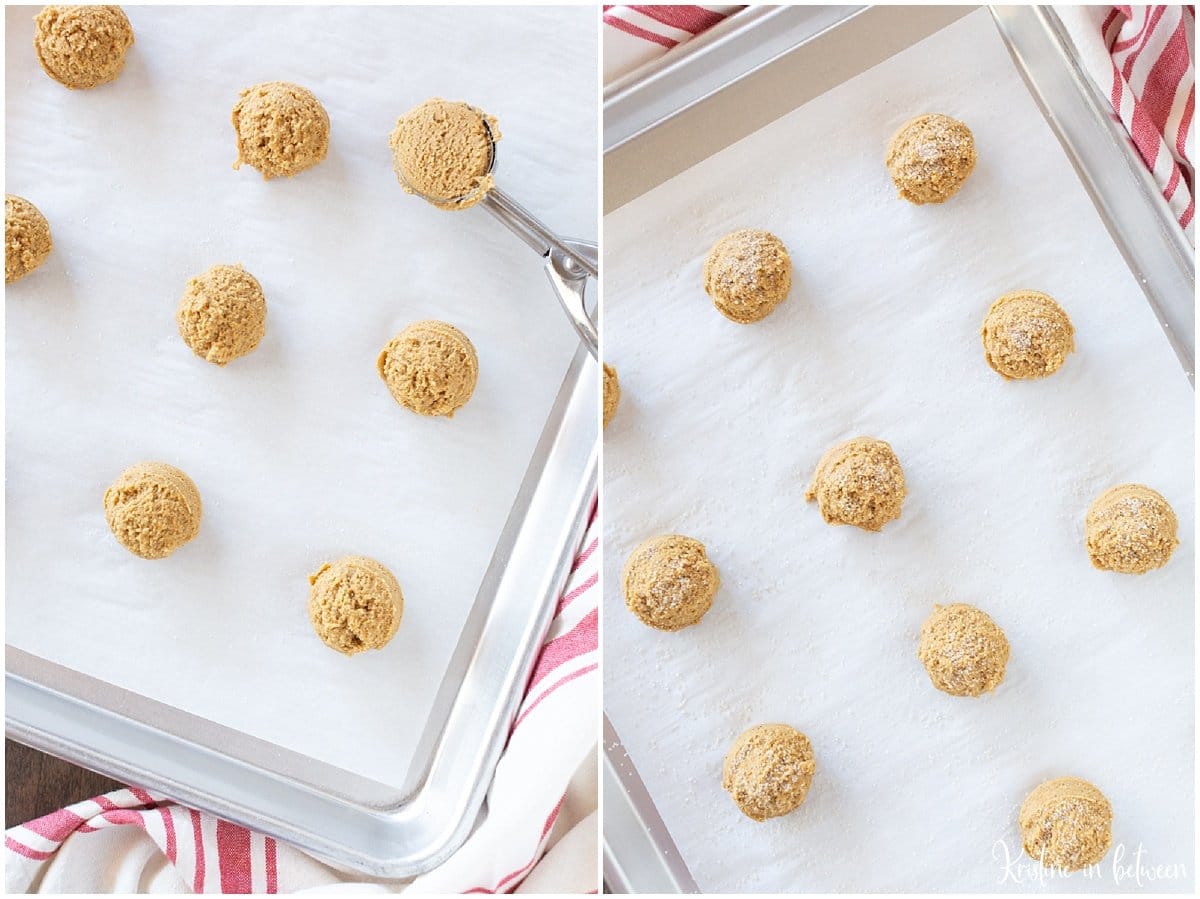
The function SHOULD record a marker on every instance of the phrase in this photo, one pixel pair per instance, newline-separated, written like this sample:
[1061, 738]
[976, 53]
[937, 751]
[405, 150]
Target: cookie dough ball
[748, 273]
[27, 240]
[153, 509]
[223, 314]
[669, 583]
[1066, 823]
[355, 604]
[963, 650]
[443, 151]
[82, 46]
[430, 367]
[1131, 529]
[930, 157]
[859, 482]
[1027, 335]
[768, 771]
[282, 129]
[612, 393]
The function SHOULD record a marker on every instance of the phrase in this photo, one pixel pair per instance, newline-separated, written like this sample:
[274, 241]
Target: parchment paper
[300, 453]
[719, 430]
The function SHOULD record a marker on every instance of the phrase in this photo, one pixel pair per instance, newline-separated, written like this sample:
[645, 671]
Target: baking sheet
[300, 453]
[721, 425]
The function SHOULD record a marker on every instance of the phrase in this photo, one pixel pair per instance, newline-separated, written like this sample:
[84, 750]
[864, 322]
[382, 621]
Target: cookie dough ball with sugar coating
[612, 393]
[930, 158]
[1027, 335]
[281, 128]
[443, 151]
[82, 46]
[27, 242]
[859, 482]
[1131, 529]
[669, 582]
[963, 650]
[1066, 823]
[355, 604]
[153, 509]
[768, 771]
[430, 367]
[223, 314]
[748, 273]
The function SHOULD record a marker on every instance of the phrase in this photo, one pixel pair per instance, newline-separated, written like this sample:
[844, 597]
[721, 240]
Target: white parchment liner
[299, 451]
[721, 425]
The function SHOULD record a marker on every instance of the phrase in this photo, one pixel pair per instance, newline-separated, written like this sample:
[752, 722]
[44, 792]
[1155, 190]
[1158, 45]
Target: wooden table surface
[36, 784]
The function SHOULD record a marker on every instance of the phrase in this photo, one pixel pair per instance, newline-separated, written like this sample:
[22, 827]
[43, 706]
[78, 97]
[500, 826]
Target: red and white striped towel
[635, 35]
[540, 831]
[1143, 59]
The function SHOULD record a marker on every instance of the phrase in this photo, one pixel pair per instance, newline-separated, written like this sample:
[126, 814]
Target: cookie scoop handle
[569, 263]
[570, 284]
[521, 222]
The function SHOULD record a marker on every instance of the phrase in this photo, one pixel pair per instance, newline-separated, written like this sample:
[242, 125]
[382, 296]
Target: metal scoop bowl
[568, 263]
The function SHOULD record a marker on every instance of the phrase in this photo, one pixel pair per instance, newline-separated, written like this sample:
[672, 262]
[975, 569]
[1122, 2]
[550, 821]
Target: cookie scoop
[444, 151]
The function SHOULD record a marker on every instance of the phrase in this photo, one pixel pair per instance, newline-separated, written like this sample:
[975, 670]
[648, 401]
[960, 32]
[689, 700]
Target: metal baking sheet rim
[640, 855]
[344, 819]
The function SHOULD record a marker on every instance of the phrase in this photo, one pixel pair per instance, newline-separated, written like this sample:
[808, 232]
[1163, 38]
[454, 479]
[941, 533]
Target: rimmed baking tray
[394, 750]
[342, 818]
[762, 64]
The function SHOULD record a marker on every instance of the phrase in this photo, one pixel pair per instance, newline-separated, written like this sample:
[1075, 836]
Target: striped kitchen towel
[1142, 58]
[540, 829]
[635, 35]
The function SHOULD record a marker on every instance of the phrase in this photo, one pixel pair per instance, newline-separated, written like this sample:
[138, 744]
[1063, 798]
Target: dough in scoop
[1066, 823]
[82, 46]
[930, 158]
[27, 241]
[355, 604]
[768, 771]
[669, 583]
[430, 367]
[1027, 335]
[859, 482]
[223, 314]
[963, 650]
[153, 509]
[281, 128]
[748, 273]
[443, 151]
[1131, 529]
